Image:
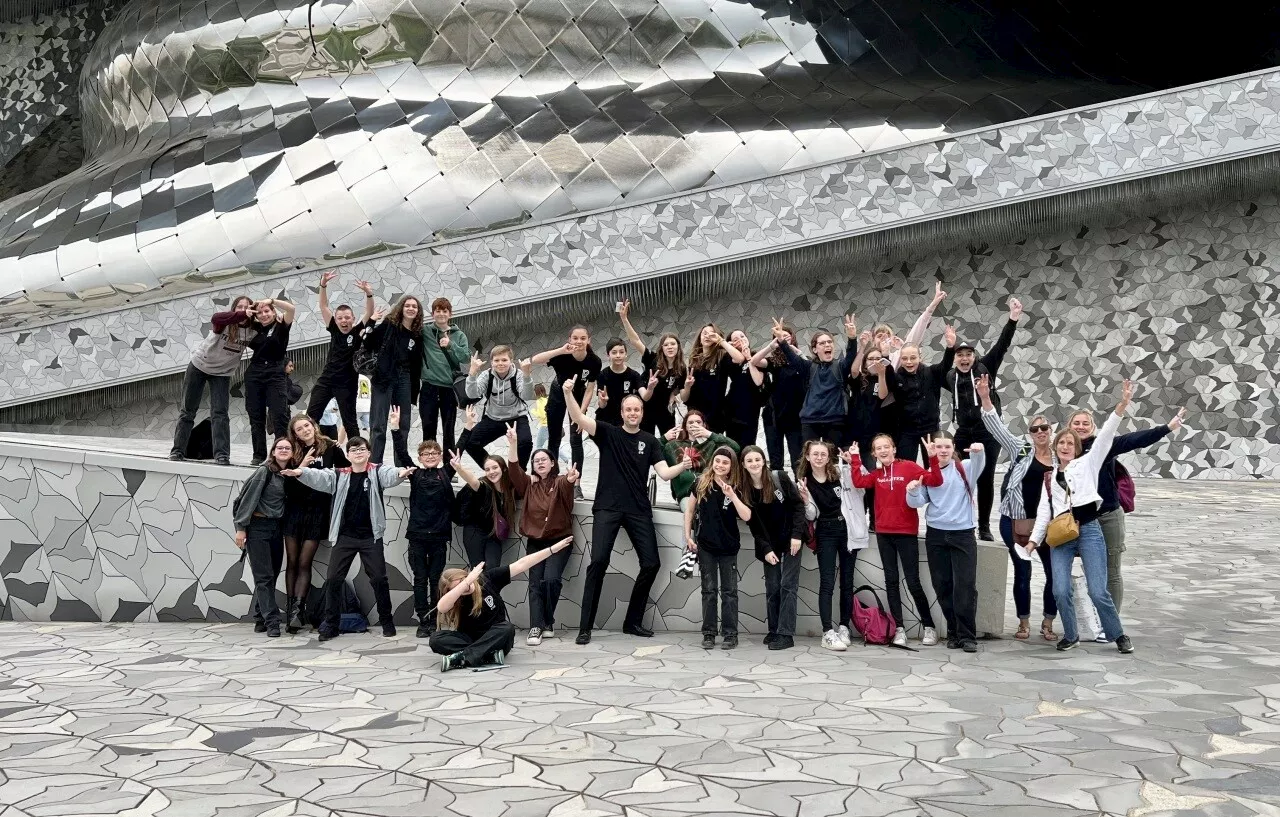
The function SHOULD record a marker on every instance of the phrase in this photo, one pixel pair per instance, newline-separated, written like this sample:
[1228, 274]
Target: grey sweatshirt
[511, 395]
[336, 481]
[951, 503]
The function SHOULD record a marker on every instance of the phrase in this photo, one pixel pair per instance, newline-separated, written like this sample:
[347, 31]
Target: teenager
[487, 502]
[546, 518]
[506, 392]
[665, 372]
[840, 531]
[785, 399]
[747, 393]
[213, 362]
[868, 386]
[711, 531]
[1110, 514]
[694, 441]
[357, 524]
[1072, 486]
[966, 408]
[917, 391]
[472, 628]
[622, 503]
[338, 380]
[430, 530]
[396, 379]
[898, 527]
[1030, 458]
[265, 383]
[256, 514]
[446, 353]
[578, 360]
[306, 516]
[891, 346]
[778, 525]
[822, 416]
[707, 381]
[616, 381]
[949, 543]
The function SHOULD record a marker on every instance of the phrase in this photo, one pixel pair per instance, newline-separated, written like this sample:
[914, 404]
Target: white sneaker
[548, 633]
[930, 638]
[535, 637]
[831, 640]
[845, 636]
[900, 638]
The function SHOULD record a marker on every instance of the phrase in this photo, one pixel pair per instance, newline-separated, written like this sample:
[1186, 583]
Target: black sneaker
[953, 644]
[1124, 645]
[970, 646]
[389, 630]
[222, 461]
[424, 631]
[176, 456]
[985, 535]
[1067, 644]
[708, 642]
[259, 626]
[768, 639]
[452, 662]
[273, 631]
[584, 637]
[782, 642]
[326, 634]
[638, 630]
[499, 658]
[729, 642]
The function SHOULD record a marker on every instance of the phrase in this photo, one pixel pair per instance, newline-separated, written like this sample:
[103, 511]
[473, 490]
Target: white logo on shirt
[777, 493]
[626, 387]
[640, 447]
[488, 602]
[585, 374]
[411, 344]
[349, 339]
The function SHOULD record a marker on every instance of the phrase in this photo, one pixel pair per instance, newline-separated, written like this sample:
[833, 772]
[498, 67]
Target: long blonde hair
[448, 620]
[708, 477]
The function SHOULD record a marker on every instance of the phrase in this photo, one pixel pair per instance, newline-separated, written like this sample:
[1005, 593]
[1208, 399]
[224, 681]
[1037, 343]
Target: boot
[297, 615]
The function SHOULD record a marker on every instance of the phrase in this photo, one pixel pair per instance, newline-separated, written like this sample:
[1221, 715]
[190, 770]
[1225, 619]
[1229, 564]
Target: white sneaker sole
[836, 647]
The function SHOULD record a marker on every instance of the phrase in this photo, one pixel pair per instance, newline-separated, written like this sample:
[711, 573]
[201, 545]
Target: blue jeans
[1092, 549]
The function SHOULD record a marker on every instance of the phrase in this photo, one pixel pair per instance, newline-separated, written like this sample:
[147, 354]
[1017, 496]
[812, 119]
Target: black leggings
[556, 411]
[904, 547]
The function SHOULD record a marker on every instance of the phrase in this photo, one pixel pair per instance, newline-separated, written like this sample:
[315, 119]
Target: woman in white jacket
[1073, 484]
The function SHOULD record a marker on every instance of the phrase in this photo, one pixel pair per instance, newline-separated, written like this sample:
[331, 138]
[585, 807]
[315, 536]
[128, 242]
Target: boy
[616, 382]
[429, 532]
[506, 392]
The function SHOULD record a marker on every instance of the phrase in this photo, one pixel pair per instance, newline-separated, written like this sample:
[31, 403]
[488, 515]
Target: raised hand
[846, 455]
[1126, 396]
[929, 448]
[653, 381]
[1176, 422]
[976, 448]
[602, 397]
[625, 311]
[327, 277]
[982, 386]
[526, 366]
[688, 379]
[672, 433]
[896, 343]
[1015, 309]
[714, 339]
[568, 387]
[455, 459]
[476, 363]
[568, 347]
[804, 489]
[864, 339]
[309, 458]
[726, 489]
[393, 418]
[949, 336]
[779, 331]
[685, 462]
[853, 450]
[850, 327]
[291, 472]
[472, 416]
[404, 473]
[572, 476]
[511, 436]
[377, 315]
[914, 485]
[938, 294]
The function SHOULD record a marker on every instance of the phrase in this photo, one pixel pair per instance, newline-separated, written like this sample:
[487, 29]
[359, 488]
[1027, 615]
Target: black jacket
[384, 337]
[430, 500]
[919, 395]
[1123, 444]
[966, 408]
[777, 537]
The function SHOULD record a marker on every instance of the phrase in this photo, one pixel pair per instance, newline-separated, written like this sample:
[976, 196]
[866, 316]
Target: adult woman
[488, 504]
[917, 389]
[746, 394]
[256, 513]
[213, 362]
[705, 385]
[578, 360]
[695, 440]
[840, 530]
[1072, 486]
[472, 628]
[778, 517]
[1031, 457]
[711, 531]
[306, 515]
[665, 372]
[396, 378]
[266, 385]
[546, 519]
[822, 416]
[786, 398]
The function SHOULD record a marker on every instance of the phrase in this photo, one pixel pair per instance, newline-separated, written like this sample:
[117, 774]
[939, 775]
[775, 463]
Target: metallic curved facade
[253, 137]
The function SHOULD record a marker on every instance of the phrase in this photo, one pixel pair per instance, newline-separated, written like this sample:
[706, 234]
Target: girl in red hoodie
[898, 526]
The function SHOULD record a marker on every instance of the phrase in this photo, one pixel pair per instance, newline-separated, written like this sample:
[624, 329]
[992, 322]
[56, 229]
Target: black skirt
[306, 512]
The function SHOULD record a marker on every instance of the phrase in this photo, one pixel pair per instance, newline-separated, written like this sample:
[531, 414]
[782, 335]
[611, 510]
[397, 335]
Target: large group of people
[855, 444]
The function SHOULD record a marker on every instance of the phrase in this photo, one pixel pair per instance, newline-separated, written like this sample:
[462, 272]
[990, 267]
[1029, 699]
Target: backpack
[350, 617]
[1125, 489]
[876, 625]
[365, 360]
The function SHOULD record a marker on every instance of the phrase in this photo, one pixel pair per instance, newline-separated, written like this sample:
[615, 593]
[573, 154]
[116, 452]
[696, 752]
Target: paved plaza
[214, 720]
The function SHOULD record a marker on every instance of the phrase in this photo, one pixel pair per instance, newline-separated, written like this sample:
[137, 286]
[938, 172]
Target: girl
[396, 378]
[256, 513]
[786, 397]
[547, 518]
[840, 529]
[710, 362]
[917, 391]
[472, 628]
[696, 441]
[665, 371]
[488, 504]
[711, 530]
[746, 394]
[266, 385]
[1031, 457]
[868, 389]
[574, 359]
[306, 515]
[1073, 486]
[213, 362]
[778, 517]
[822, 416]
[898, 526]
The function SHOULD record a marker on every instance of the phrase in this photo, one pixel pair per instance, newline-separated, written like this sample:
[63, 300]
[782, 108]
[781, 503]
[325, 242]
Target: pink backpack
[876, 625]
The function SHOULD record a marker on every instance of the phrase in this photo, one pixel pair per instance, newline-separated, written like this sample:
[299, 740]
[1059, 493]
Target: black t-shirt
[659, 403]
[355, 511]
[715, 524]
[625, 460]
[617, 386]
[492, 610]
[787, 396]
[827, 498]
[342, 348]
[271, 344]
[744, 401]
[586, 370]
[406, 346]
[707, 394]
[1033, 486]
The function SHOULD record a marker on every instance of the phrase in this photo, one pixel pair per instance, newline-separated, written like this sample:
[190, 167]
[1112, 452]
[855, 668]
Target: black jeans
[781, 587]
[265, 547]
[953, 568]
[775, 436]
[488, 430]
[399, 392]
[831, 432]
[374, 562]
[604, 532]
[501, 636]
[339, 386]
[265, 387]
[219, 403]
[909, 448]
[439, 404]
[426, 562]
[1022, 576]
[719, 578]
[833, 547]
[546, 579]
[987, 479]
[556, 412]
[744, 434]
[481, 546]
[904, 547]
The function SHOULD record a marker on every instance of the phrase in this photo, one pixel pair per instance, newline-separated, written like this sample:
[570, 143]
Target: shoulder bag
[1063, 527]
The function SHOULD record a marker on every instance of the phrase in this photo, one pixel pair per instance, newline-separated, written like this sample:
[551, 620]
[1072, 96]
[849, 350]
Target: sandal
[1046, 630]
[1024, 630]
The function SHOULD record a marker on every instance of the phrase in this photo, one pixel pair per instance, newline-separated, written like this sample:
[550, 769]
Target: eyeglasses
[1038, 428]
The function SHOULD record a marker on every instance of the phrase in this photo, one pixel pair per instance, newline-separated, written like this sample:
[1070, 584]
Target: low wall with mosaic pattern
[88, 536]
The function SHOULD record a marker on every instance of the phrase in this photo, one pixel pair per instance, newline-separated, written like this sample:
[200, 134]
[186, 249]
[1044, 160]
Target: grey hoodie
[336, 481]
[510, 395]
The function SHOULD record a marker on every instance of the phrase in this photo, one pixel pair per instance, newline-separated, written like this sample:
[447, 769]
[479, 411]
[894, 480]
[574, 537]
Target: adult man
[445, 351]
[966, 409]
[622, 502]
[357, 524]
[338, 380]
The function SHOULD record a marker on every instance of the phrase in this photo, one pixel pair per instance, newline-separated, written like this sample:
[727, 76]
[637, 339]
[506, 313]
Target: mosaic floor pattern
[202, 720]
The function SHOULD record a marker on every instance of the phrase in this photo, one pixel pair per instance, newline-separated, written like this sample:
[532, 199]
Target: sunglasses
[1038, 428]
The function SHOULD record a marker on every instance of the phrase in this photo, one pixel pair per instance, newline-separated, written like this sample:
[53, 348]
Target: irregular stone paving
[211, 719]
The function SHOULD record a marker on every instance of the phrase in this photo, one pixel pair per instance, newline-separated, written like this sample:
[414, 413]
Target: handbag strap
[1048, 488]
